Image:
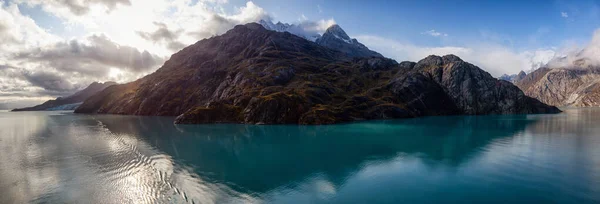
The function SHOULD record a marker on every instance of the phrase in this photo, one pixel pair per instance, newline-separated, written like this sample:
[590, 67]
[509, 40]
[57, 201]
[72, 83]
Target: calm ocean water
[61, 157]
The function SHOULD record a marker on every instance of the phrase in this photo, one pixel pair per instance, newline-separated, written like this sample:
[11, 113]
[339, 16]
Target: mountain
[70, 102]
[334, 37]
[291, 28]
[573, 86]
[253, 75]
[513, 77]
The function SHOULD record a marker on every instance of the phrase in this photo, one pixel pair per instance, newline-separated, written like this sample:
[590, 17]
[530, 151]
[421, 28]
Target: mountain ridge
[69, 102]
[334, 37]
[257, 76]
[573, 86]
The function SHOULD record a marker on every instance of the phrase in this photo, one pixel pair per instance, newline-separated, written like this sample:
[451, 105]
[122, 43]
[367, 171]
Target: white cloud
[146, 32]
[18, 31]
[302, 18]
[564, 14]
[36, 65]
[434, 33]
[579, 57]
[494, 58]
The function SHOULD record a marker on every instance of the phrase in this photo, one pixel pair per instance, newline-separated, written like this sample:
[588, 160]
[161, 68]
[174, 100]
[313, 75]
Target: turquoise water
[60, 157]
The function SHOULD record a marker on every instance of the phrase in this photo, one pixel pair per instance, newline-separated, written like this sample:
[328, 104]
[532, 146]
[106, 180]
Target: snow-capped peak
[334, 37]
[279, 27]
[297, 30]
[339, 33]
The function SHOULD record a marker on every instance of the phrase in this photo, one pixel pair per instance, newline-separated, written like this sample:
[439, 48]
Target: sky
[52, 48]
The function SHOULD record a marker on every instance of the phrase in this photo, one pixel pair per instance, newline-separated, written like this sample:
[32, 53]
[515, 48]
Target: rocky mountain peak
[434, 61]
[451, 58]
[429, 61]
[297, 30]
[336, 38]
[521, 75]
[339, 33]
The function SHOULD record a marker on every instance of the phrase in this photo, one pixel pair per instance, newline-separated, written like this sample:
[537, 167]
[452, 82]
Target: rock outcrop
[70, 102]
[253, 75]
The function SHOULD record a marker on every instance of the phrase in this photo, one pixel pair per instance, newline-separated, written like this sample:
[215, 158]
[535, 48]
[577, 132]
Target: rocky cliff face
[69, 102]
[253, 75]
[574, 86]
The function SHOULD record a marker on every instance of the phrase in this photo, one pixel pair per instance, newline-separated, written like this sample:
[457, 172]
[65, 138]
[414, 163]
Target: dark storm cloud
[18, 82]
[93, 58]
[164, 35]
[49, 81]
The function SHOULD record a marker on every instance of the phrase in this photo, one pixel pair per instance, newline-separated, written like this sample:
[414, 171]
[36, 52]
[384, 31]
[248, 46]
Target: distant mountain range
[70, 102]
[260, 76]
[573, 86]
[514, 77]
[570, 80]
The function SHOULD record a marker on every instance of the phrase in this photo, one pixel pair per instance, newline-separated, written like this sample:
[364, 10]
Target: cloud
[319, 8]
[49, 81]
[94, 55]
[319, 26]
[303, 18]
[37, 65]
[492, 57]
[564, 14]
[434, 33]
[163, 35]
[189, 23]
[23, 83]
[64, 8]
[122, 41]
[18, 31]
[585, 57]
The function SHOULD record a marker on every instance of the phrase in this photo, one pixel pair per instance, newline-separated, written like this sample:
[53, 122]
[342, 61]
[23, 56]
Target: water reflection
[259, 159]
[51, 157]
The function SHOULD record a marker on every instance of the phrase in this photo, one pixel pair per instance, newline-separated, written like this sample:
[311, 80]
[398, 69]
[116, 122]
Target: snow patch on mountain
[305, 30]
[334, 36]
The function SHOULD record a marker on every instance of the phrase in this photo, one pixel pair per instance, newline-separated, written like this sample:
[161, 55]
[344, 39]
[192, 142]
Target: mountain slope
[575, 86]
[69, 102]
[253, 75]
